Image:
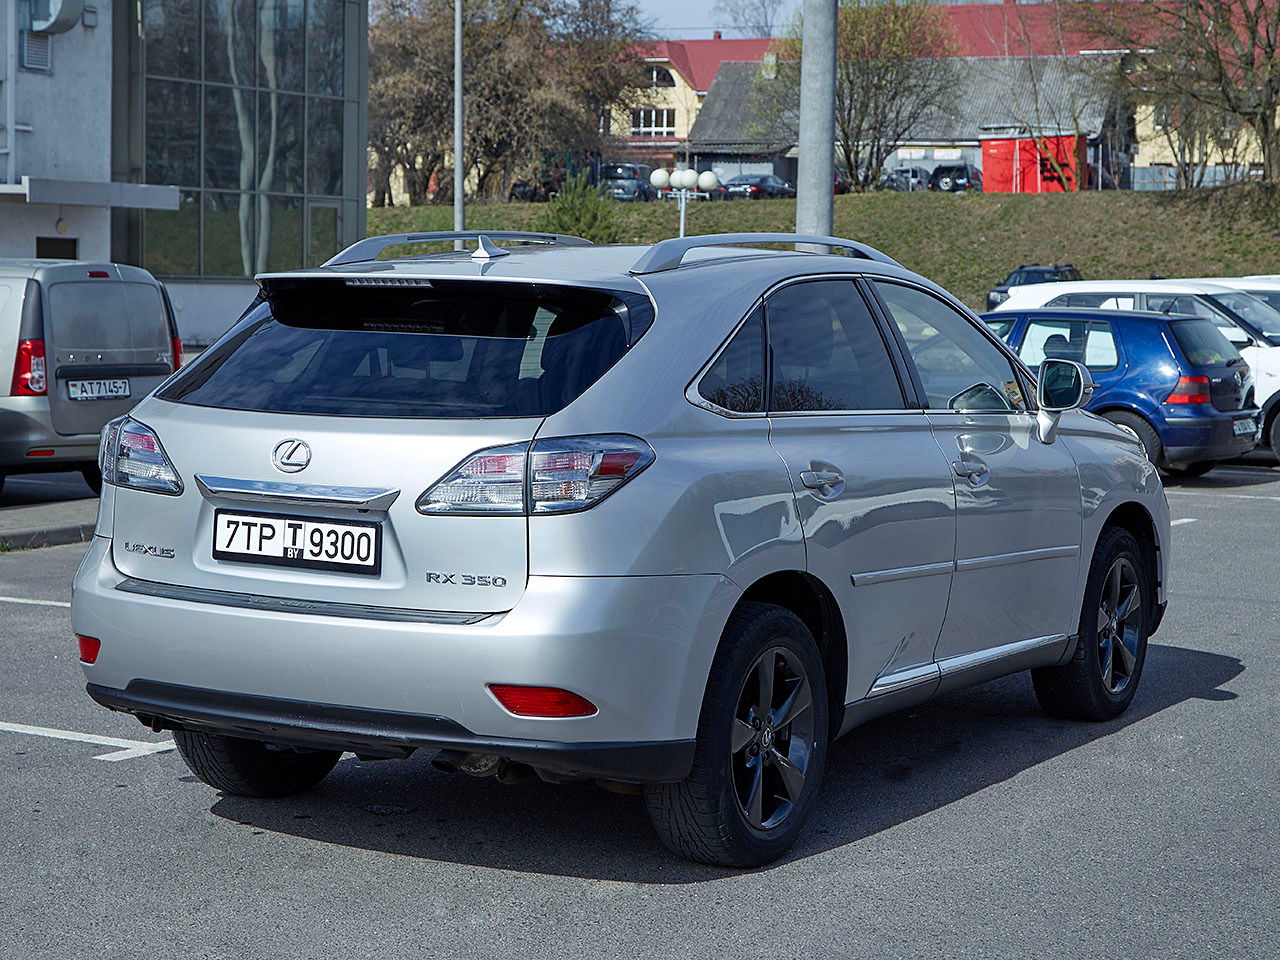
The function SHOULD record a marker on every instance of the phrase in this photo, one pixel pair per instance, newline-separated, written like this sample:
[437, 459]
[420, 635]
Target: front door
[1018, 506]
[1091, 342]
[874, 493]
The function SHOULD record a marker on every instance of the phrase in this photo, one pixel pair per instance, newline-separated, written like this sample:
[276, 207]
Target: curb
[52, 537]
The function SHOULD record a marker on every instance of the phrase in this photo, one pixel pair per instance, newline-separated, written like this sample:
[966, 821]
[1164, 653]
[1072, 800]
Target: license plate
[348, 546]
[97, 389]
[1242, 427]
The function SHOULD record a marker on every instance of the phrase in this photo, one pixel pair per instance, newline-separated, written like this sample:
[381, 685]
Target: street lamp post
[685, 184]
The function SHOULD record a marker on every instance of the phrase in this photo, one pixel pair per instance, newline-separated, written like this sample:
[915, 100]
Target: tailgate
[480, 563]
[109, 346]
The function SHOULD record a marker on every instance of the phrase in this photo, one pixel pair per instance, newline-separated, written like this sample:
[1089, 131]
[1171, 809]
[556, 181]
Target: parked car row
[1191, 366]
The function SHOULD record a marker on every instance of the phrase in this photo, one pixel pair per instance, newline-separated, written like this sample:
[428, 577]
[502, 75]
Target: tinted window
[1092, 344]
[1202, 343]
[1105, 301]
[397, 353]
[1252, 310]
[1001, 328]
[147, 318]
[1186, 304]
[959, 367]
[736, 380]
[89, 316]
[826, 351]
[619, 172]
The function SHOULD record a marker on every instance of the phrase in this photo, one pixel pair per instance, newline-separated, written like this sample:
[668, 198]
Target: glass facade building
[256, 110]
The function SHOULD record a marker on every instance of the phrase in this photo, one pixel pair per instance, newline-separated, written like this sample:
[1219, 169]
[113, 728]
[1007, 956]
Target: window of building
[661, 77]
[246, 108]
[653, 123]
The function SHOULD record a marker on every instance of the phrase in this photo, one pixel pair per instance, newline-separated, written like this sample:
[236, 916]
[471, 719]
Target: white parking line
[35, 603]
[126, 749]
[1178, 523]
[1214, 493]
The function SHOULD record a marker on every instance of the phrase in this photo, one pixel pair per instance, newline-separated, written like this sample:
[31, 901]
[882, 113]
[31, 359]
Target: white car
[1243, 308]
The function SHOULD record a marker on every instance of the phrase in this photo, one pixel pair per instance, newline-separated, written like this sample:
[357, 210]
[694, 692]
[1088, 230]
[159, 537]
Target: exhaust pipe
[472, 764]
[448, 761]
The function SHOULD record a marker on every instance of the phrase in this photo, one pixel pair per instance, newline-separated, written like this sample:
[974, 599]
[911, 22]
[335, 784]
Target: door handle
[975, 471]
[821, 479]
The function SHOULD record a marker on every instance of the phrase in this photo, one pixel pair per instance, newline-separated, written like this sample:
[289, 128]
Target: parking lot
[971, 827]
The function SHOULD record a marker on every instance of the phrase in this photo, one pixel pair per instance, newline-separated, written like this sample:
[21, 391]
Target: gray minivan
[84, 341]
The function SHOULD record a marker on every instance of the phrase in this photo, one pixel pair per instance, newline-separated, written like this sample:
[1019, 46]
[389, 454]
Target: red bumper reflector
[542, 701]
[89, 648]
[39, 453]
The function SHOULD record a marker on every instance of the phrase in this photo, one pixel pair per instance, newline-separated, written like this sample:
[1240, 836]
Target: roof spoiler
[668, 254]
[369, 248]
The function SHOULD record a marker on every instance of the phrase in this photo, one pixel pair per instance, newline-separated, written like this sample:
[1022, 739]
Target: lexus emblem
[291, 455]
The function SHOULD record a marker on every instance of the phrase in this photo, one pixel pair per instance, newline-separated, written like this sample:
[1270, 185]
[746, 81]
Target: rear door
[110, 346]
[1018, 502]
[875, 495]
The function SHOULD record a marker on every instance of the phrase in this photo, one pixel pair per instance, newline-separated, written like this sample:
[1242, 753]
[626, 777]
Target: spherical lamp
[708, 181]
[660, 178]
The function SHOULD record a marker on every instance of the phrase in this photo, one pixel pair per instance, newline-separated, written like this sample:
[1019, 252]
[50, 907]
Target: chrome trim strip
[1044, 553]
[306, 494]
[979, 658]
[311, 608]
[901, 679]
[900, 573]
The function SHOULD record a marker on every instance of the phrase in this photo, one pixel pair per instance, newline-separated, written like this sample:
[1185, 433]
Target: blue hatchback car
[1177, 382]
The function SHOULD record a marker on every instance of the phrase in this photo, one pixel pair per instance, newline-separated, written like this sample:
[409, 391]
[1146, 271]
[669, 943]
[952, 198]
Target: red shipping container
[1023, 164]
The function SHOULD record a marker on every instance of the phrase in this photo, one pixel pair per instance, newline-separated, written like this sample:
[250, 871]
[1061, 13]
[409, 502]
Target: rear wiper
[1234, 360]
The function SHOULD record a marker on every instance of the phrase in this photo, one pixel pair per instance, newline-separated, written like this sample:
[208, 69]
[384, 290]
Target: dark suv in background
[956, 178]
[628, 182]
[1031, 273]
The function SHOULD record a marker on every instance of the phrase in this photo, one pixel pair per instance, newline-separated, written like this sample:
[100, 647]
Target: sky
[691, 19]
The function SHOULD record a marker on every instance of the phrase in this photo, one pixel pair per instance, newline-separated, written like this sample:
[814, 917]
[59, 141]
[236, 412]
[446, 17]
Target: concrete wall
[206, 308]
[69, 109]
[21, 223]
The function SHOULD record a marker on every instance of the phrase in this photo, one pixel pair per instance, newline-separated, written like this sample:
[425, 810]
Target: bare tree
[893, 67]
[754, 18]
[1222, 54]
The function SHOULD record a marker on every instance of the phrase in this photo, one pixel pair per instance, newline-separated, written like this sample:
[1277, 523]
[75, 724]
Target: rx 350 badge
[466, 579]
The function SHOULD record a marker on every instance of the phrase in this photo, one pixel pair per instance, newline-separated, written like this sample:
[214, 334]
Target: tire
[1147, 436]
[715, 816]
[1273, 437]
[1096, 684]
[250, 768]
[946, 184]
[93, 477]
[1191, 469]
[2, 476]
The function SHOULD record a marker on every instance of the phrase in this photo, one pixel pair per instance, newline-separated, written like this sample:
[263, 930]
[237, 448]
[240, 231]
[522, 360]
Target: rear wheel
[1152, 448]
[1100, 680]
[1273, 436]
[762, 745]
[250, 768]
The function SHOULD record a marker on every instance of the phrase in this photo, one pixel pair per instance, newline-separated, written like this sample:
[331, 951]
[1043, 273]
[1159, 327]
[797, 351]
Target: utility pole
[459, 174]
[815, 179]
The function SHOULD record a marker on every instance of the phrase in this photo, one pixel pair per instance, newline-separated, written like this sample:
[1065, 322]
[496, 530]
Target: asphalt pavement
[973, 826]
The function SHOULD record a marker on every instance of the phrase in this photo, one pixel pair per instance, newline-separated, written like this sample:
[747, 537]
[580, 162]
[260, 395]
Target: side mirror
[1064, 385]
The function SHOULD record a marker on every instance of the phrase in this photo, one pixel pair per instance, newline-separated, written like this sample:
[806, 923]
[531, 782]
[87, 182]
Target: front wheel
[1102, 677]
[761, 748]
[250, 768]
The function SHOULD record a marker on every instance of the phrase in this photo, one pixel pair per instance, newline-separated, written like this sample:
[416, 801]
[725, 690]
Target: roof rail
[668, 254]
[370, 247]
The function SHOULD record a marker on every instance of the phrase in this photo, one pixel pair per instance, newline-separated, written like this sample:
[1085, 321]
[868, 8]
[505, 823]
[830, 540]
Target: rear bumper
[1193, 439]
[639, 648]
[382, 732]
[25, 425]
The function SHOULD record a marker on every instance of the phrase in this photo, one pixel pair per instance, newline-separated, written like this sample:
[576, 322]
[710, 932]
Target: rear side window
[1202, 343]
[1105, 301]
[826, 351]
[412, 353]
[1090, 343]
[736, 380]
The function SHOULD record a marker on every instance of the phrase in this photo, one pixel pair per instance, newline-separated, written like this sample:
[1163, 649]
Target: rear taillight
[177, 353]
[547, 476]
[130, 455]
[1190, 390]
[541, 701]
[29, 371]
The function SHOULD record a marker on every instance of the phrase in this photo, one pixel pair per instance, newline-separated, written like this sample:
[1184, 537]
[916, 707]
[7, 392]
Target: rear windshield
[1257, 313]
[1202, 343]
[619, 172]
[106, 316]
[429, 352]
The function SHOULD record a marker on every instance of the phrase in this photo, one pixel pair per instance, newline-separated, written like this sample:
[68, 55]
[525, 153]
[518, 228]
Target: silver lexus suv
[674, 516]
